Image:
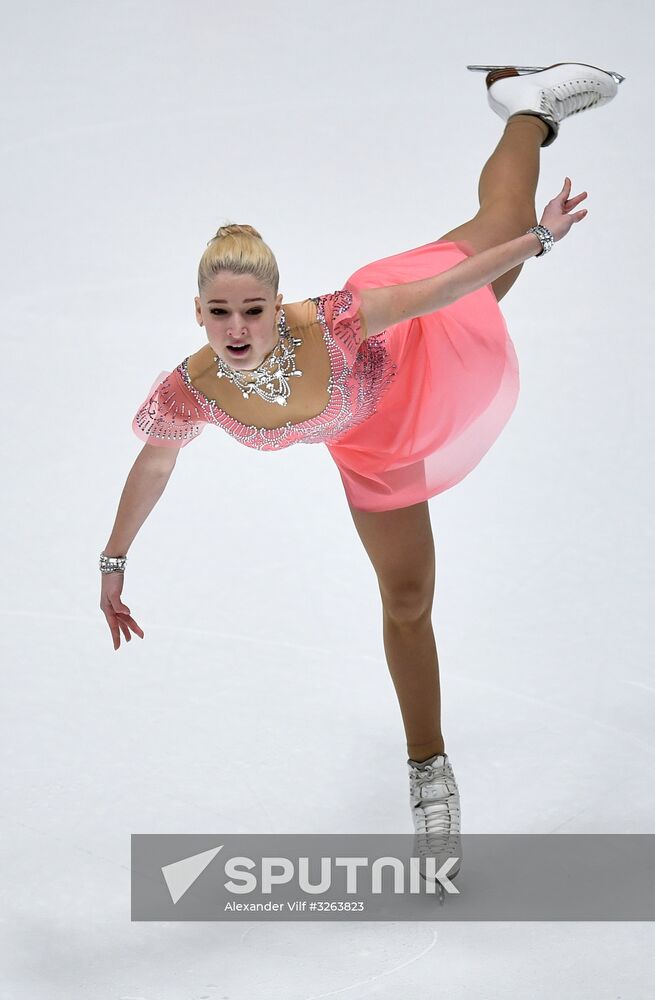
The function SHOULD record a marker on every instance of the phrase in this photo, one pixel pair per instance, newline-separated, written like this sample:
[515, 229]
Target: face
[229, 318]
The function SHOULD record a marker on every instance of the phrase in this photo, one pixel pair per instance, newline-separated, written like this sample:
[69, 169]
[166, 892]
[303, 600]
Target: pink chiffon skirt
[456, 385]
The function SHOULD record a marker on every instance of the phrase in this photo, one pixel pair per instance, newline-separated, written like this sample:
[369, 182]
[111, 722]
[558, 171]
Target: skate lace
[436, 811]
[568, 99]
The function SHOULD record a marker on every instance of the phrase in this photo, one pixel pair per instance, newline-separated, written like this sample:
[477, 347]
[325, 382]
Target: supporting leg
[506, 192]
[400, 546]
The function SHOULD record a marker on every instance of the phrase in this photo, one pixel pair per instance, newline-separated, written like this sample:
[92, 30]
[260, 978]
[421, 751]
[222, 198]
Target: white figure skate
[435, 807]
[552, 93]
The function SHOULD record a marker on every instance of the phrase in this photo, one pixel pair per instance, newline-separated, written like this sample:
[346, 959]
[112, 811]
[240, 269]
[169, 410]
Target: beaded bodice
[360, 371]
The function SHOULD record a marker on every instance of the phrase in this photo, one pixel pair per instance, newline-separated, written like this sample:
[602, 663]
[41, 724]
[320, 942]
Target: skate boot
[434, 803]
[551, 93]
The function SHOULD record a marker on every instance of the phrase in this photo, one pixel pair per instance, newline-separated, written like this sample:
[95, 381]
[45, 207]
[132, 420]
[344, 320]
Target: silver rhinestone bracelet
[545, 237]
[112, 564]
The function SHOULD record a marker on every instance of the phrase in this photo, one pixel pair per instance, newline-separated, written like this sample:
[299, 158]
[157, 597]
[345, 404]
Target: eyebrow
[245, 300]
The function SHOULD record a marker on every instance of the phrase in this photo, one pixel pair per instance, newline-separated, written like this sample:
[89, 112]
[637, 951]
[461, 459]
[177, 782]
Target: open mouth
[243, 349]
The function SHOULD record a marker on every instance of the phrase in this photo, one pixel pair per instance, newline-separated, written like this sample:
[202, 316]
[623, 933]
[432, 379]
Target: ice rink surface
[259, 699]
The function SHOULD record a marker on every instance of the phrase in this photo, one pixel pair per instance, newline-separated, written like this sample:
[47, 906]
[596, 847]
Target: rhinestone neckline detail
[337, 369]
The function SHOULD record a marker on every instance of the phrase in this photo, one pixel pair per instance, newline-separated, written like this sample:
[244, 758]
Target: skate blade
[617, 77]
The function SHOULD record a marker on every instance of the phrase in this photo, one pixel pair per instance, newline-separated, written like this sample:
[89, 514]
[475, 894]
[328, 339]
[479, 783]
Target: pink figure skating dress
[411, 411]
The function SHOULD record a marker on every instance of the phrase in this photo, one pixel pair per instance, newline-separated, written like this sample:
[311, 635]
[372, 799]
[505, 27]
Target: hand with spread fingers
[556, 215]
[116, 612]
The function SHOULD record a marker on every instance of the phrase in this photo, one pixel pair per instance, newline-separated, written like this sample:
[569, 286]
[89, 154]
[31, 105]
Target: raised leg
[400, 546]
[506, 192]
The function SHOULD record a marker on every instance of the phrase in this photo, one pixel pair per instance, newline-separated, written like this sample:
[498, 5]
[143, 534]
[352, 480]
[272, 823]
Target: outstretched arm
[382, 307]
[144, 486]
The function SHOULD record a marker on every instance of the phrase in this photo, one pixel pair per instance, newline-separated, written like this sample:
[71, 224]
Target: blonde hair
[241, 250]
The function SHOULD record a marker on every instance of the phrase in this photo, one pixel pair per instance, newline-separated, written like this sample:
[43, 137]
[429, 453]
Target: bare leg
[400, 546]
[506, 192]
[399, 542]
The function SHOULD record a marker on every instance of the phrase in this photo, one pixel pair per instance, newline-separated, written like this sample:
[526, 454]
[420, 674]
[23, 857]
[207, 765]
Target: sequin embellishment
[360, 373]
[165, 417]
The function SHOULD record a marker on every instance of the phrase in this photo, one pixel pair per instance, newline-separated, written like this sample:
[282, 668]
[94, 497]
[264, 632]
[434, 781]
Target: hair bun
[241, 250]
[234, 229]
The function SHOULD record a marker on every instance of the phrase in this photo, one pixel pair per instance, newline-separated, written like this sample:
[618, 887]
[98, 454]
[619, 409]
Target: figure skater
[407, 374]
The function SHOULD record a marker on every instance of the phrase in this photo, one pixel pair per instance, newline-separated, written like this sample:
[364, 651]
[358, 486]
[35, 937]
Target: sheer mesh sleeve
[344, 320]
[168, 416]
